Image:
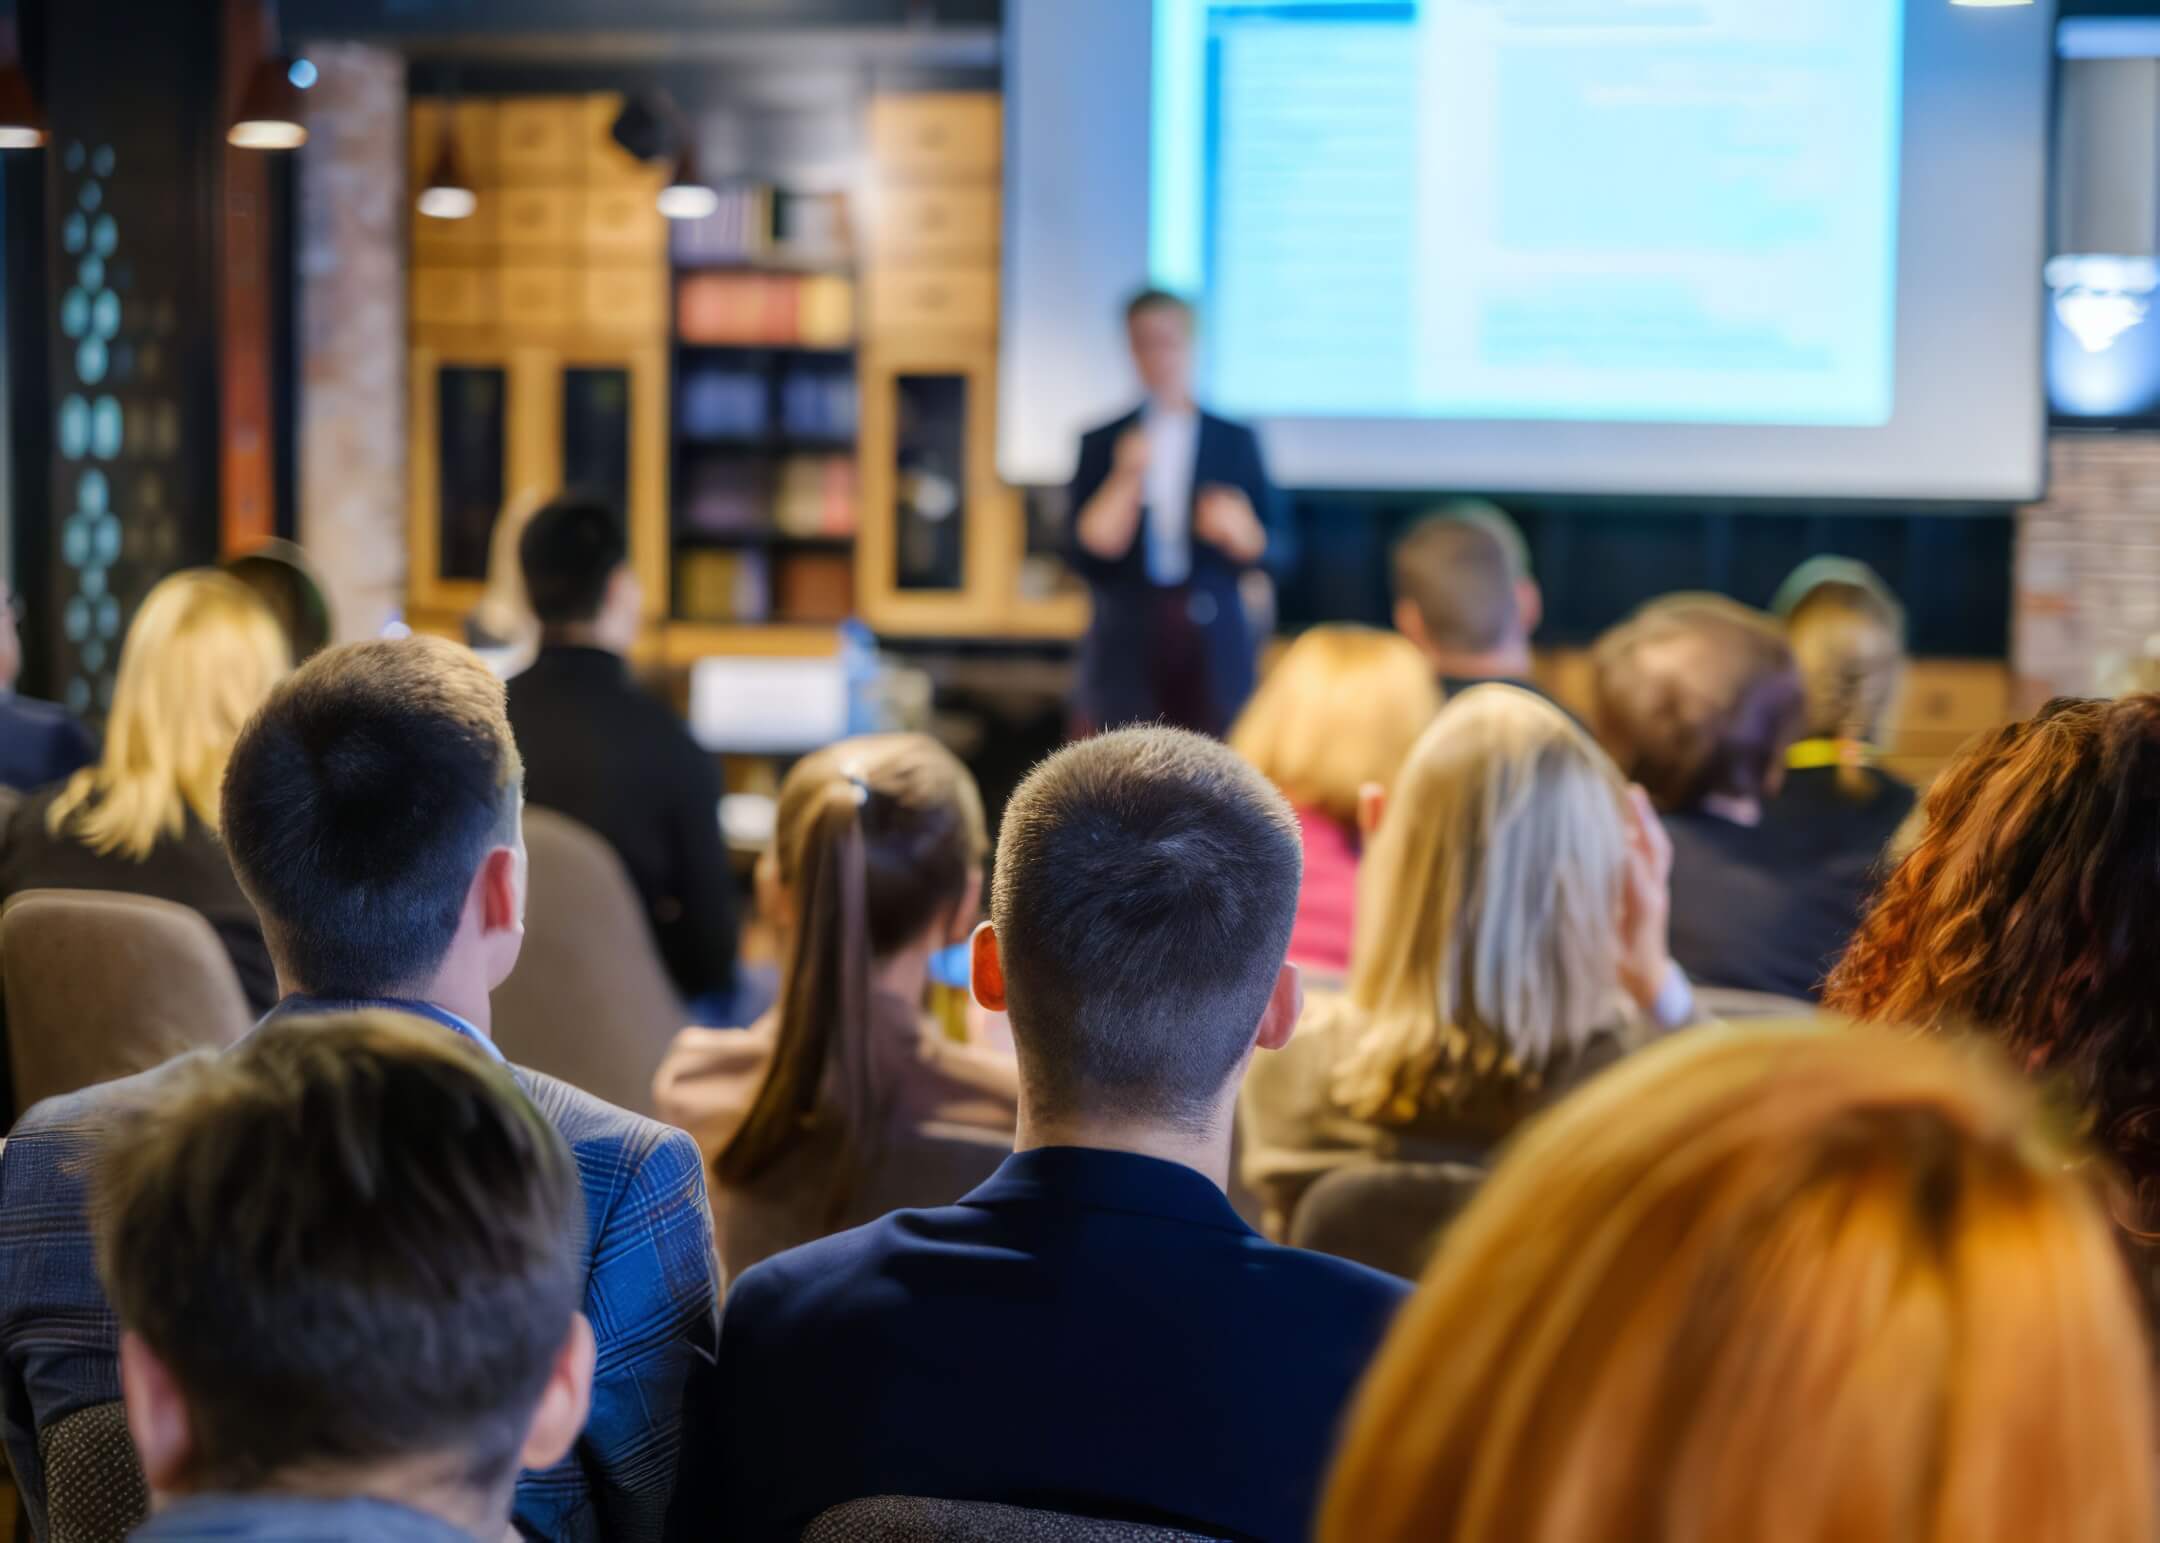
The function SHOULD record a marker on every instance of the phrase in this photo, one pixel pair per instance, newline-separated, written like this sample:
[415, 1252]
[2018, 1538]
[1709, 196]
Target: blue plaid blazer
[652, 1292]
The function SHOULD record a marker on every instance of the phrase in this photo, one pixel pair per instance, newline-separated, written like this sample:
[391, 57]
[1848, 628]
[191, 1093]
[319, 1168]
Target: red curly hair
[2028, 912]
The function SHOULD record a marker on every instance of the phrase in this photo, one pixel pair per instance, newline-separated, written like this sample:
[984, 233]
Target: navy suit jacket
[39, 743]
[1117, 683]
[1091, 1332]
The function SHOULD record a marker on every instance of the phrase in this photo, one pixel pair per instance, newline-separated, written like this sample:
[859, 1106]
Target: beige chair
[94, 1489]
[102, 985]
[589, 1002]
[1386, 1215]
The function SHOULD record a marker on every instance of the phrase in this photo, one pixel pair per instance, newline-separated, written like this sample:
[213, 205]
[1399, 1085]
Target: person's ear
[1410, 622]
[560, 1416]
[1285, 1005]
[157, 1415]
[970, 907]
[1371, 809]
[502, 890]
[986, 970]
[1529, 606]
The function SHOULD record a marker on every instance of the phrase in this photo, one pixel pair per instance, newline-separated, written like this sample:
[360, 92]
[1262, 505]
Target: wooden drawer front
[539, 297]
[537, 138]
[471, 239]
[453, 297]
[1953, 697]
[537, 220]
[622, 223]
[625, 299]
[934, 299]
[477, 134]
[952, 136]
[932, 224]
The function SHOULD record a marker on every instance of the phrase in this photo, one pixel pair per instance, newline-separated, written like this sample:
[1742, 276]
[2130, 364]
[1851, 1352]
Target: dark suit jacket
[651, 1292]
[1117, 683]
[1091, 1332]
[39, 743]
[615, 758]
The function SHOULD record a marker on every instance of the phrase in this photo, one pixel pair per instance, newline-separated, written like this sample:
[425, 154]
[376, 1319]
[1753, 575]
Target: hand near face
[1646, 902]
[1223, 517]
[1131, 456]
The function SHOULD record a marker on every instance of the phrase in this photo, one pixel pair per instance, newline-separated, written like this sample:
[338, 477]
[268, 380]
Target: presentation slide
[1596, 209]
[1696, 247]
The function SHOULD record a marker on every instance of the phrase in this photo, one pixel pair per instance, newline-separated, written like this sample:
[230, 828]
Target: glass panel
[930, 489]
[469, 468]
[596, 434]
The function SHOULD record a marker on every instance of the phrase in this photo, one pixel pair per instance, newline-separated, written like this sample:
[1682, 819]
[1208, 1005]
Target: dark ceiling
[435, 18]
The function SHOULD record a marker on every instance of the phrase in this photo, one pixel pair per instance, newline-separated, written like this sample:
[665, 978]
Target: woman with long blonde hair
[1794, 1284]
[1511, 941]
[1338, 713]
[200, 656]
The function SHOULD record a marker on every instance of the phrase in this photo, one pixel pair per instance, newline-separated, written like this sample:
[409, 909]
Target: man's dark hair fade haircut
[1145, 888]
[567, 554]
[358, 804]
[351, 1240]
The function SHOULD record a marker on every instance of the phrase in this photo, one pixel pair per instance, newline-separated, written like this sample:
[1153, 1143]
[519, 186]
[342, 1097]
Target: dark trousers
[1181, 692]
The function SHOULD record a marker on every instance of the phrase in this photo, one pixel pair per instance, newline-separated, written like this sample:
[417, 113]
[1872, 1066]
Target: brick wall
[2087, 575]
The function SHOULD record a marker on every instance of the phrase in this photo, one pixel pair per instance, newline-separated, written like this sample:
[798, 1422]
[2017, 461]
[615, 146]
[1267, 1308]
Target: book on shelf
[765, 309]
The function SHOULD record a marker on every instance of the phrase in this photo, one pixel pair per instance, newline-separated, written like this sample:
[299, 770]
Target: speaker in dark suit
[1171, 507]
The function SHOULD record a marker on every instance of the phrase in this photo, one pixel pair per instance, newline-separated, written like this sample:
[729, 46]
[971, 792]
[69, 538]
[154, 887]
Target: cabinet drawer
[472, 239]
[535, 221]
[474, 124]
[936, 224]
[621, 223]
[949, 136]
[934, 299]
[626, 299]
[537, 138]
[539, 297]
[453, 297]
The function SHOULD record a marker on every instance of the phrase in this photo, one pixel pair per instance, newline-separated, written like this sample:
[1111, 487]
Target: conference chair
[94, 1488]
[101, 985]
[1388, 1215]
[589, 1002]
[910, 1519]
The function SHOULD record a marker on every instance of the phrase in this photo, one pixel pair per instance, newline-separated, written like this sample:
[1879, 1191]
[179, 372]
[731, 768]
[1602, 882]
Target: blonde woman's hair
[1341, 708]
[505, 612]
[1488, 907]
[200, 656]
[1789, 1284]
[1849, 641]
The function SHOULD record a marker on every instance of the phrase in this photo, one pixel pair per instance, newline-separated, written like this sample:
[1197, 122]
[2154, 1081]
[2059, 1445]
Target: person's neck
[1510, 661]
[1207, 1152]
[1733, 809]
[582, 634]
[421, 1484]
[1178, 401]
[448, 991]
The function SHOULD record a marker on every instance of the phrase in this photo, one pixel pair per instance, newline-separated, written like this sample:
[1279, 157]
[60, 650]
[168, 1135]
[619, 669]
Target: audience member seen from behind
[1775, 1283]
[1093, 1331]
[1698, 699]
[611, 756]
[2025, 912]
[1848, 637]
[1336, 715]
[876, 865]
[345, 1259]
[39, 741]
[200, 656]
[1464, 595]
[1512, 942]
[371, 810]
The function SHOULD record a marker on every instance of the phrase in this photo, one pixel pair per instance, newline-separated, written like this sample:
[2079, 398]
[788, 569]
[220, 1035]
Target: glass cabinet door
[596, 433]
[471, 403]
[930, 481]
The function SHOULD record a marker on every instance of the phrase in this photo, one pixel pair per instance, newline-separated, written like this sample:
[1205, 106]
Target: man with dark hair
[1093, 1330]
[616, 759]
[371, 812]
[345, 1259]
[1171, 507]
[1464, 595]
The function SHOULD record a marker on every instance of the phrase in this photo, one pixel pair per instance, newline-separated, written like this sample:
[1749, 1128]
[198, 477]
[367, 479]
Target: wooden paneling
[954, 302]
[937, 136]
[934, 224]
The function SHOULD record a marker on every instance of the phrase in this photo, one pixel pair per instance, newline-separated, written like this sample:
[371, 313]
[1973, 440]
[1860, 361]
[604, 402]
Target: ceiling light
[269, 116]
[448, 195]
[687, 196]
[2100, 297]
[22, 125]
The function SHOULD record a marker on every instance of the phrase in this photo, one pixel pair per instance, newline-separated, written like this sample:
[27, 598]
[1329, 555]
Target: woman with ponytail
[1847, 633]
[876, 865]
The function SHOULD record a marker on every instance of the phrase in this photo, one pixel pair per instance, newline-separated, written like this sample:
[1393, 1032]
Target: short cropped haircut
[1697, 695]
[569, 551]
[1153, 299]
[1460, 567]
[1145, 887]
[351, 1240]
[359, 803]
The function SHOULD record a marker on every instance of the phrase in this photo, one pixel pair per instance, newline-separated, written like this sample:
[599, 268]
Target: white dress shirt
[1173, 442]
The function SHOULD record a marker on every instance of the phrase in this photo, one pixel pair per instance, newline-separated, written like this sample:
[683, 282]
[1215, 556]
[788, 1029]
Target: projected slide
[1673, 211]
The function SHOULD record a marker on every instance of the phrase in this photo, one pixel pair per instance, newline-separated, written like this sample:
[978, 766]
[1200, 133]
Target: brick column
[2087, 578]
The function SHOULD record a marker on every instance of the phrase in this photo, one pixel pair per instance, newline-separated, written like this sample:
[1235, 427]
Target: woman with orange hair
[1788, 1285]
[2025, 912]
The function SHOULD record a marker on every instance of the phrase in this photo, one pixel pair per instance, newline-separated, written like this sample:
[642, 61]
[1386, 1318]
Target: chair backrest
[909, 1519]
[589, 1002]
[1387, 1215]
[94, 1489]
[103, 985]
